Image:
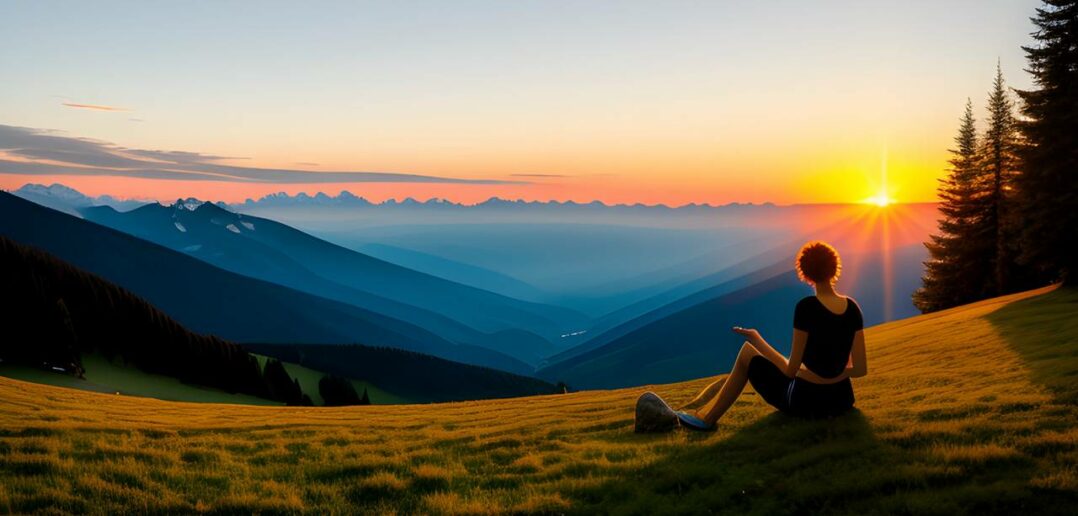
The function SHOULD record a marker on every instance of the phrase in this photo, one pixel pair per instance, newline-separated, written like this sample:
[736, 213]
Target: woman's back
[830, 334]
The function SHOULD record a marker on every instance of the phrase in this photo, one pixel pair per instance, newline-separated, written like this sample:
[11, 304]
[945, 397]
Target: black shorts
[796, 396]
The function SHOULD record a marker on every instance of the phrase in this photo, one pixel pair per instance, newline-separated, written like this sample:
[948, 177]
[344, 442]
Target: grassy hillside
[112, 376]
[966, 411]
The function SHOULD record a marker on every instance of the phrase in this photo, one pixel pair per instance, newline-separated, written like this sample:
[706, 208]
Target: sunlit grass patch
[542, 503]
[528, 464]
[377, 487]
[975, 454]
[453, 503]
[1065, 479]
[254, 503]
[428, 477]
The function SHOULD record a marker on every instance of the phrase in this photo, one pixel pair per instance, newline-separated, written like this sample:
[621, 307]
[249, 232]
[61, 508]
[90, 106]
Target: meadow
[969, 410]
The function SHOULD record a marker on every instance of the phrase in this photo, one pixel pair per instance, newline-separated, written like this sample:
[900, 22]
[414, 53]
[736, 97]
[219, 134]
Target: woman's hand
[806, 374]
[752, 335]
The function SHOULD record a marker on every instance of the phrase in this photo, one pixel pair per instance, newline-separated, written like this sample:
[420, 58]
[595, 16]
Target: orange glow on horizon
[610, 189]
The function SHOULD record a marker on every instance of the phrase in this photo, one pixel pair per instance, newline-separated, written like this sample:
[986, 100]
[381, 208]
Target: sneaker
[694, 423]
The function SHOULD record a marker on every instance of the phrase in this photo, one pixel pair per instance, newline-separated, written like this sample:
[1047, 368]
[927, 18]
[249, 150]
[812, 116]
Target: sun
[881, 199]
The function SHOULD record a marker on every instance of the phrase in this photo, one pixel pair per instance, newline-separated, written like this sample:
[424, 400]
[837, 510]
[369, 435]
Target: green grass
[38, 375]
[309, 378]
[112, 377]
[963, 411]
[1037, 329]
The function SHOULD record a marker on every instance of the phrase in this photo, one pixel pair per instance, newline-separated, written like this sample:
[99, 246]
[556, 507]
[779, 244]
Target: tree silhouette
[281, 386]
[956, 272]
[1000, 166]
[338, 392]
[52, 312]
[1048, 186]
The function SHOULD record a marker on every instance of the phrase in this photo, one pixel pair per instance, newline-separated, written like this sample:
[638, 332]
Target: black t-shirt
[830, 335]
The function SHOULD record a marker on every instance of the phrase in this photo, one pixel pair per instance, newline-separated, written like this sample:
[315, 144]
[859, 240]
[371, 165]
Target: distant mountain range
[267, 250]
[460, 272]
[346, 198]
[69, 200]
[66, 196]
[214, 301]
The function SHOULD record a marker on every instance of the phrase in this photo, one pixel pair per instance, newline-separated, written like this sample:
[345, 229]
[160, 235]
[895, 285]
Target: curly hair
[817, 262]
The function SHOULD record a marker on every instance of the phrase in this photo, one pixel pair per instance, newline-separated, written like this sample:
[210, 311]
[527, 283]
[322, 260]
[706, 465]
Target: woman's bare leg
[705, 395]
[731, 389]
[763, 349]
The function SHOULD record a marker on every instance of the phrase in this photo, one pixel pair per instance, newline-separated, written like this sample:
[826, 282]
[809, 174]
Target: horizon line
[444, 201]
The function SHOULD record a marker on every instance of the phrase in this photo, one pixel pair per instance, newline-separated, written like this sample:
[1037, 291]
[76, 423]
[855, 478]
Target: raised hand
[749, 333]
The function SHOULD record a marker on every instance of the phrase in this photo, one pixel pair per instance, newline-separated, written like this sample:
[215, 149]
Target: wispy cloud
[539, 175]
[93, 107]
[30, 151]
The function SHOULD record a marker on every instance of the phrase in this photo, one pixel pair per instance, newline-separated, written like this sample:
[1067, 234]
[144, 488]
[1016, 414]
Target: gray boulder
[653, 414]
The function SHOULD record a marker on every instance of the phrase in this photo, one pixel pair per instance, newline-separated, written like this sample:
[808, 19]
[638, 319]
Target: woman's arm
[856, 366]
[797, 353]
[753, 338]
[807, 374]
[858, 357]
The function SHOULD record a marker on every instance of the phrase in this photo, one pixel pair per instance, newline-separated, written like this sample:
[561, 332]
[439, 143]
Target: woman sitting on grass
[828, 349]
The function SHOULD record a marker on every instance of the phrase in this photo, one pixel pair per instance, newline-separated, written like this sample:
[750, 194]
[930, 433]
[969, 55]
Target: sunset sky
[653, 102]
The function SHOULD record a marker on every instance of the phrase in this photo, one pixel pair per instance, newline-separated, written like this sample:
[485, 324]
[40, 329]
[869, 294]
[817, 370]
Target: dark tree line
[282, 387]
[51, 312]
[338, 392]
[1048, 185]
[1009, 206]
[409, 374]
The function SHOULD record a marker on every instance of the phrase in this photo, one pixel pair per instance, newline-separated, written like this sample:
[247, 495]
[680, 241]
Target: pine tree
[280, 385]
[338, 392]
[999, 166]
[955, 273]
[1048, 186]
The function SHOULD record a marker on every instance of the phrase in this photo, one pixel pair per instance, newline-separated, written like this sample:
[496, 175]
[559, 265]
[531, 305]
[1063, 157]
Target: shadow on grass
[1043, 330]
[779, 464]
[785, 465]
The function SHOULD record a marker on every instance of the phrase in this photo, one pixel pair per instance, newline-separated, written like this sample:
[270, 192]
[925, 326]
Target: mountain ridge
[235, 241]
[240, 309]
